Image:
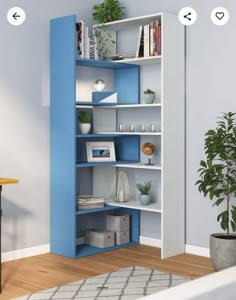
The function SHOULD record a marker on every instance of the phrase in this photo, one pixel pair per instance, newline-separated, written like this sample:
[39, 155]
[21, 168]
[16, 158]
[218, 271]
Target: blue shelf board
[96, 135]
[107, 163]
[85, 250]
[102, 64]
[93, 210]
[86, 103]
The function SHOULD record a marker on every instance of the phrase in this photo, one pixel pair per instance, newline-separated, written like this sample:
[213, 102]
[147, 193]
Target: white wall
[24, 108]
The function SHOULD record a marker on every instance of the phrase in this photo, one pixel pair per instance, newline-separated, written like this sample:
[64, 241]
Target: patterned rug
[125, 284]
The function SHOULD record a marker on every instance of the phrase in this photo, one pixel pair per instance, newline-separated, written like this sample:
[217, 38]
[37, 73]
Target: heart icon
[220, 15]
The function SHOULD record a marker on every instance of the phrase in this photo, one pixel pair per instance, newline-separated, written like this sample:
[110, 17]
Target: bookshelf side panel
[62, 139]
[173, 138]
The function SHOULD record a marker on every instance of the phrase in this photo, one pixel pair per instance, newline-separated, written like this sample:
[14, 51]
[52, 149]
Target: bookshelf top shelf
[130, 23]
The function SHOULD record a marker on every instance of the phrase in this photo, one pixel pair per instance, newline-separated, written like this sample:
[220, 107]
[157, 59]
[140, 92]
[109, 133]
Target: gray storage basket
[100, 238]
[122, 237]
[118, 222]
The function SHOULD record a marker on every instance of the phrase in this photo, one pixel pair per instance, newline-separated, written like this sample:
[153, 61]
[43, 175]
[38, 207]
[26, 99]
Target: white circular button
[16, 16]
[220, 16]
[187, 16]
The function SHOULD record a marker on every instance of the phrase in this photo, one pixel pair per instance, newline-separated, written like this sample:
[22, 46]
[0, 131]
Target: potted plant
[218, 182]
[84, 122]
[108, 11]
[144, 189]
[149, 96]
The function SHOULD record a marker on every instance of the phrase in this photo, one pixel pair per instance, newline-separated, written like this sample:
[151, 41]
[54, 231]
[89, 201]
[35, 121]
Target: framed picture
[100, 151]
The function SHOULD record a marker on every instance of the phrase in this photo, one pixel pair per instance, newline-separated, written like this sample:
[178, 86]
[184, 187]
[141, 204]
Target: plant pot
[84, 128]
[149, 98]
[223, 250]
[144, 199]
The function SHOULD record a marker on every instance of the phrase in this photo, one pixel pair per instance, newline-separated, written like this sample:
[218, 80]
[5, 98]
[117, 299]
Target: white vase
[84, 128]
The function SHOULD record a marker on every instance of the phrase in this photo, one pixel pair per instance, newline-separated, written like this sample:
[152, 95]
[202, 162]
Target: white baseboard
[26, 252]
[196, 250]
[190, 249]
[145, 240]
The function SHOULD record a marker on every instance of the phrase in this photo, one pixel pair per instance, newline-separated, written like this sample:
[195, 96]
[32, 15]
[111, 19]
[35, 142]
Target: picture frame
[100, 151]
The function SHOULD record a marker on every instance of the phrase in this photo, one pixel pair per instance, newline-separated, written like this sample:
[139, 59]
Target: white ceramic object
[84, 128]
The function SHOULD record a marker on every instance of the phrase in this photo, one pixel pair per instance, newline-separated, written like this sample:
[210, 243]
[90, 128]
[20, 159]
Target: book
[139, 40]
[155, 36]
[159, 40]
[86, 43]
[146, 40]
[80, 39]
[152, 37]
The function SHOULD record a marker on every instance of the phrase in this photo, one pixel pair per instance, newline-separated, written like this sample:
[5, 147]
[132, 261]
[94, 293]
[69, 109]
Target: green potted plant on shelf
[84, 122]
[107, 11]
[144, 189]
[149, 96]
[218, 182]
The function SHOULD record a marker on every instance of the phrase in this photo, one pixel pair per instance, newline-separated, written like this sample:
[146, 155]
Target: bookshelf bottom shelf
[85, 250]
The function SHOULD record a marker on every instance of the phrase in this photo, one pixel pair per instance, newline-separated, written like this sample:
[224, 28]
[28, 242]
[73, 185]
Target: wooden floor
[24, 276]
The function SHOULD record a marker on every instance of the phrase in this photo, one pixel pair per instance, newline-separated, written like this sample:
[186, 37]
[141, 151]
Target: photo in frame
[100, 151]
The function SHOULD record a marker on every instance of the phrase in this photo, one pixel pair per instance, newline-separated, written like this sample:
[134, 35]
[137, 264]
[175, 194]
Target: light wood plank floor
[24, 276]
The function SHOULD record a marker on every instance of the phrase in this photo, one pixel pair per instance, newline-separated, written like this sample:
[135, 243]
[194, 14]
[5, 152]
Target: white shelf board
[139, 166]
[154, 207]
[118, 106]
[130, 23]
[131, 133]
[142, 60]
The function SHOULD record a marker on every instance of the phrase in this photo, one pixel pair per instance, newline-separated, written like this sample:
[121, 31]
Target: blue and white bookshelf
[72, 175]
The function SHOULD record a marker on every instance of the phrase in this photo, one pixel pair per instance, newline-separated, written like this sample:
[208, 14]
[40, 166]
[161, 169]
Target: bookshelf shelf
[142, 60]
[139, 166]
[132, 133]
[85, 250]
[107, 207]
[80, 104]
[131, 22]
[96, 164]
[154, 207]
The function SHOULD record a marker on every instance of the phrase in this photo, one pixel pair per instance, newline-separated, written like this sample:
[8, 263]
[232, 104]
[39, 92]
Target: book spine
[139, 40]
[159, 40]
[87, 43]
[146, 40]
[151, 39]
[155, 37]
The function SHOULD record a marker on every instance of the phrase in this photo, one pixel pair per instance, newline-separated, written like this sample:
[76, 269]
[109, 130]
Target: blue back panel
[128, 148]
[127, 85]
[62, 131]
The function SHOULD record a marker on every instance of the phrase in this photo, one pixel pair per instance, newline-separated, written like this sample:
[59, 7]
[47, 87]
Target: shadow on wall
[12, 230]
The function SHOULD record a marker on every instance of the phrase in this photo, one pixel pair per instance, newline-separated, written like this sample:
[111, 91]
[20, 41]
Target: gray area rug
[125, 284]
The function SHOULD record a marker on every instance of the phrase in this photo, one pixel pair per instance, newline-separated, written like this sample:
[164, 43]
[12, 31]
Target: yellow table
[2, 182]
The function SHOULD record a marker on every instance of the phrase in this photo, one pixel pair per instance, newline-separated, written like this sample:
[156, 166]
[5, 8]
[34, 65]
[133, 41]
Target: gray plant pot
[149, 98]
[222, 251]
[144, 199]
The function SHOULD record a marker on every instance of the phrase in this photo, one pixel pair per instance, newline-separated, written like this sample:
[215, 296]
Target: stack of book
[86, 43]
[149, 40]
[89, 201]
